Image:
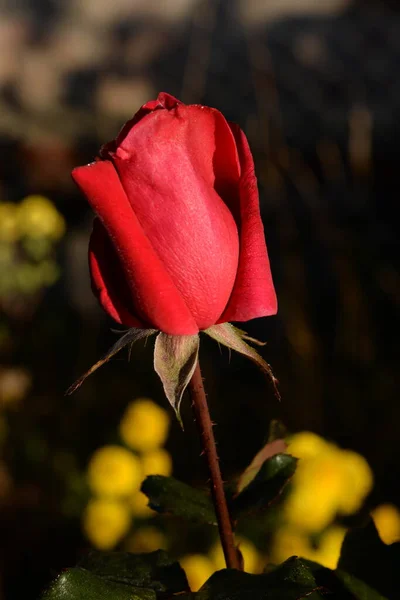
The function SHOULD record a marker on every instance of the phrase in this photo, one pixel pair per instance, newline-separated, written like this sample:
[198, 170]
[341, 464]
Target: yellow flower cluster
[290, 541]
[29, 231]
[34, 217]
[328, 482]
[115, 474]
[199, 567]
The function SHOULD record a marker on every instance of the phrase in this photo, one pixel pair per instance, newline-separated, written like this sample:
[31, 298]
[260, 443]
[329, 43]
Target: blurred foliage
[352, 564]
[29, 234]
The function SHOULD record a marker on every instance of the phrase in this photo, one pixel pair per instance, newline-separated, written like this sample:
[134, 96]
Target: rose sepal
[129, 338]
[235, 339]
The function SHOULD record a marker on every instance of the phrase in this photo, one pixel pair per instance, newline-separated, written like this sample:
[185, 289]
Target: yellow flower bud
[306, 444]
[139, 505]
[313, 501]
[146, 539]
[144, 425]
[290, 541]
[387, 521]
[105, 522]
[328, 552]
[358, 482]
[198, 569]
[38, 217]
[114, 471]
[157, 462]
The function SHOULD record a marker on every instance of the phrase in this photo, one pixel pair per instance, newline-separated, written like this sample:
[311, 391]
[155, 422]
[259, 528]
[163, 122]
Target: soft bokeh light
[387, 521]
[198, 569]
[139, 504]
[38, 217]
[157, 462]
[114, 471]
[328, 481]
[105, 522]
[290, 541]
[146, 539]
[144, 425]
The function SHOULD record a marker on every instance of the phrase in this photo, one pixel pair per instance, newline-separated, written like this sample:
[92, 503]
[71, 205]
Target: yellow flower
[290, 541]
[198, 569]
[317, 486]
[306, 444]
[251, 557]
[144, 425]
[105, 522]
[387, 521]
[327, 481]
[146, 539]
[8, 222]
[114, 471]
[157, 462]
[328, 552]
[139, 505]
[359, 481]
[38, 217]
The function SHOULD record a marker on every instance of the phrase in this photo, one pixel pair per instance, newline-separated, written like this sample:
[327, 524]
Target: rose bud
[178, 242]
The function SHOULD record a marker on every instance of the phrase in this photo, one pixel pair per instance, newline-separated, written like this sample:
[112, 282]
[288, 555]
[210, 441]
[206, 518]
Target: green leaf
[359, 589]
[266, 486]
[132, 336]
[341, 585]
[168, 495]
[234, 338]
[79, 584]
[154, 570]
[367, 558]
[271, 449]
[175, 358]
[290, 581]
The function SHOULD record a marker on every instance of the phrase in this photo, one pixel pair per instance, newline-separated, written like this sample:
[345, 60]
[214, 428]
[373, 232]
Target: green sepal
[130, 337]
[175, 359]
[235, 339]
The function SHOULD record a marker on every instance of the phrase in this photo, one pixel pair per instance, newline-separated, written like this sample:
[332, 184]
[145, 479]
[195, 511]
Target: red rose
[178, 243]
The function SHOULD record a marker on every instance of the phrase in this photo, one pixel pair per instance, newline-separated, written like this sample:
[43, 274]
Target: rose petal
[154, 297]
[164, 100]
[108, 278]
[253, 294]
[171, 167]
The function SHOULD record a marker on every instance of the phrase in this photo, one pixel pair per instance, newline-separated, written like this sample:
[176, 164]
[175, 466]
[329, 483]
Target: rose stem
[204, 425]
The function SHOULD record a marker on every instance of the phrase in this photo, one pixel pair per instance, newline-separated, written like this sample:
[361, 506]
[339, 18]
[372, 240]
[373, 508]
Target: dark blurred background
[315, 86]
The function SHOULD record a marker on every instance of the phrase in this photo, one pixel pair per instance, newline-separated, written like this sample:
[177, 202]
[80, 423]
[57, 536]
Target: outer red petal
[171, 165]
[108, 278]
[164, 100]
[154, 297]
[253, 294]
